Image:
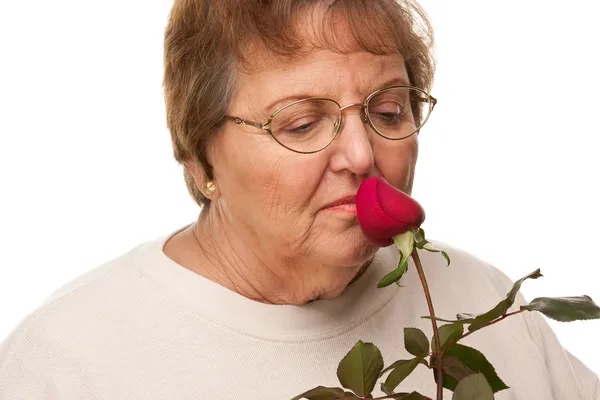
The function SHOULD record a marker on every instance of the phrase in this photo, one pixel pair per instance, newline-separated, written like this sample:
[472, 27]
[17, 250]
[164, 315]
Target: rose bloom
[384, 211]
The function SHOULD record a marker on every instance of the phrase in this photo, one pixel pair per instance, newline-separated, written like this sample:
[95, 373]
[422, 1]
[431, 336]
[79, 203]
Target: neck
[245, 267]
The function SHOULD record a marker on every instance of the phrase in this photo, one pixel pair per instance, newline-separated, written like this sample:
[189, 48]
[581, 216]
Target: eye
[303, 119]
[301, 126]
[306, 124]
[387, 112]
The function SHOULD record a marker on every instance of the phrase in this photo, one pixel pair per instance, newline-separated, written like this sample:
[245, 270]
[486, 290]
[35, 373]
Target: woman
[264, 294]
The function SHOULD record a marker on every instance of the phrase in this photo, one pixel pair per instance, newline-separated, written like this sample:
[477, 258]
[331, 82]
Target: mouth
[343, 204]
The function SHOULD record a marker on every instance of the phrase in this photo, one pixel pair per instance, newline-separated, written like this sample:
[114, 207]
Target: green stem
[492, 323]
[436, 336]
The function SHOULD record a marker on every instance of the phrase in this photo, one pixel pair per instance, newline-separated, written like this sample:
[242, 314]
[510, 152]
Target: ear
[207, 187]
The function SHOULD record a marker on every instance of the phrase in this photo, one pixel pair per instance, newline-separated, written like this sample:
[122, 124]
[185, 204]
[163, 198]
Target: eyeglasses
[310, 125]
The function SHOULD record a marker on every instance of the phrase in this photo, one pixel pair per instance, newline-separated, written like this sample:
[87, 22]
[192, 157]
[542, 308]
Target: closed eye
[387, 112]
[299, 127]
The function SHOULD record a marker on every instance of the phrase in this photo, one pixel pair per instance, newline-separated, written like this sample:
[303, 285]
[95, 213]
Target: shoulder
[466, 270]
[42, 328]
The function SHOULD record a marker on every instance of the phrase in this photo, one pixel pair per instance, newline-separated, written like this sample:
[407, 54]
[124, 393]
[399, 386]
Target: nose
[353, 150]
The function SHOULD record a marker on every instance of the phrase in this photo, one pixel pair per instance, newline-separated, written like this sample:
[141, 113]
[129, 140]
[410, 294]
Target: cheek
[396, 161]
[289, 184]
[273, 185]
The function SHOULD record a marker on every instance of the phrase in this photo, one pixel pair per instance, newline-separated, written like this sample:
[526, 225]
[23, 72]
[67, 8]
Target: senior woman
[278, 111]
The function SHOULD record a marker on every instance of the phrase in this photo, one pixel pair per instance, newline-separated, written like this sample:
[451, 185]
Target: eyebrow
[277, 104]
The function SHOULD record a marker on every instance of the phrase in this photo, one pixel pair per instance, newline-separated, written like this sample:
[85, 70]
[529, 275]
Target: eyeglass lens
[310, 125]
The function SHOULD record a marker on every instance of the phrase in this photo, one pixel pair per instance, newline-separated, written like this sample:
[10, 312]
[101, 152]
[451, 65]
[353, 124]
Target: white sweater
[143, 327]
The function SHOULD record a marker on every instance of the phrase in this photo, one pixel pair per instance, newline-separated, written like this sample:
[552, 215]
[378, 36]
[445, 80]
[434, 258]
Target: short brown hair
[208, 41]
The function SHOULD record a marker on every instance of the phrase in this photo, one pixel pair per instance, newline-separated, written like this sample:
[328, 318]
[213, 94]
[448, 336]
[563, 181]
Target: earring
[210, 187]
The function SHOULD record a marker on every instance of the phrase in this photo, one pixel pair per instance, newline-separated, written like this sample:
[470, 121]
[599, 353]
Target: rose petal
[384, 211]
[399, 205]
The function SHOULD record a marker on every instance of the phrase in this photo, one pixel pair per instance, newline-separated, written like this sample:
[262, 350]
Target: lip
[346, 200]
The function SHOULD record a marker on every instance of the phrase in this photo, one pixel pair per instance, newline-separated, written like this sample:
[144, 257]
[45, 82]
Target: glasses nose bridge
[362, 106]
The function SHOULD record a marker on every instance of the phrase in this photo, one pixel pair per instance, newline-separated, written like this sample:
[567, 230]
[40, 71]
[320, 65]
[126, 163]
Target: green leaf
[395, 275]
[403, 395]
[453, 371]
[447, 380]
[421, 244]
[419, 236]
[454, 368]
[449, 334]
[411, 396]
[483, 319]
[405, 243]
[480, 320]
[398, 363]
[446, 256]
[389, 392]
[360, 368]
[473, 387]
[427, 246]
[420, 240]
[324, 393]
[475, 361]
[517, 286]
[416, 342]
[432, 249]
[452, 321]
[400, 370]
[565, 309]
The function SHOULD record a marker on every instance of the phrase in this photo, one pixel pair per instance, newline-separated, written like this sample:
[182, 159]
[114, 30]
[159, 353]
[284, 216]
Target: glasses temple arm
[430, 99]
[241, 121]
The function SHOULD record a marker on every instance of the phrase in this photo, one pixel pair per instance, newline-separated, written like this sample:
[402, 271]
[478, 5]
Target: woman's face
[277, 200]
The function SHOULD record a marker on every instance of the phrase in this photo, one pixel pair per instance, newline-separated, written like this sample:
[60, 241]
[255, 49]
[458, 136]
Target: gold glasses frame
[427, 98]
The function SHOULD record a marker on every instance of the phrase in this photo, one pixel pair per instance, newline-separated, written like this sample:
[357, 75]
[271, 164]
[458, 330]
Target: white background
[508, 170]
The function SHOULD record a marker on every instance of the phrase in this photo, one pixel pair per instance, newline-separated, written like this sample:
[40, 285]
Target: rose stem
[436, 337]
[492, 323]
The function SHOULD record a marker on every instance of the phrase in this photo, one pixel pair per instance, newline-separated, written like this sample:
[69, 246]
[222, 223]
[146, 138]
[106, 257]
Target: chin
[348, 250]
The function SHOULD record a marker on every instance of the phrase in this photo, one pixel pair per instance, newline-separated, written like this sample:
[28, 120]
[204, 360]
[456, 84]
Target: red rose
[384, 211]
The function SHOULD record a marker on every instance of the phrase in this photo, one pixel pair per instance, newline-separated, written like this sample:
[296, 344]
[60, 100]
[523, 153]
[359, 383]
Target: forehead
[321, 73]
[328, 61]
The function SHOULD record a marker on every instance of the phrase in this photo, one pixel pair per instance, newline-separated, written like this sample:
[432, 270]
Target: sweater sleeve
[36, 361]
[583, 372]
[35, 365]
[569, 377]
[567, 372]
[24, 366]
